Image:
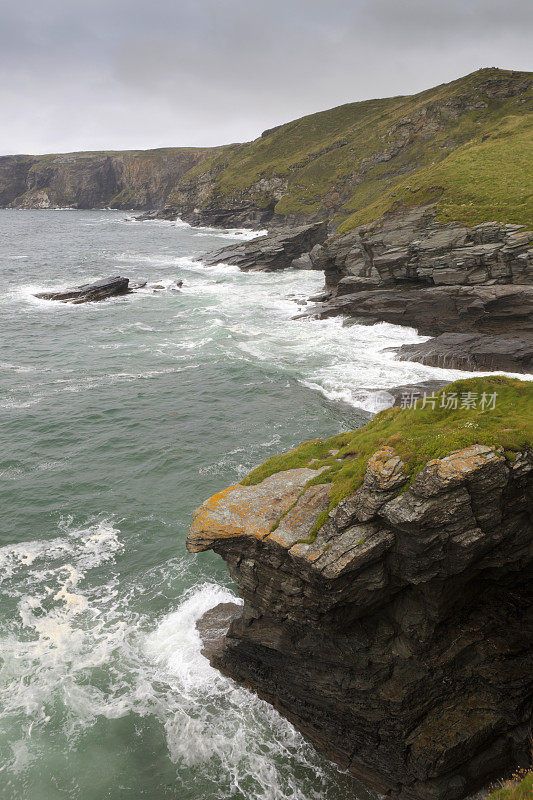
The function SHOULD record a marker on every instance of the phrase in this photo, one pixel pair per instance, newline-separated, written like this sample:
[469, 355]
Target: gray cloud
[94, 74]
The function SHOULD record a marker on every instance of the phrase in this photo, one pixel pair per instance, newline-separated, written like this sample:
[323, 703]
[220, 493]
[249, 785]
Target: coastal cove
[119, 419]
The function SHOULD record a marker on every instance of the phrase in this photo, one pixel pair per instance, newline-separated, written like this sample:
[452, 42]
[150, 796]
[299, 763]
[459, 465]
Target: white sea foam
[244, 234]
[71, 627]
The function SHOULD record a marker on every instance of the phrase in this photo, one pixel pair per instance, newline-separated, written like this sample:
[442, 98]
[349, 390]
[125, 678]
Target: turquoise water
[118, 419]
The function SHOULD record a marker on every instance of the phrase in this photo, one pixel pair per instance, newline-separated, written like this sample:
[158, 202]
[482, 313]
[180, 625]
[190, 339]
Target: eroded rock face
[408, 247]
[290, 247]
[399, 640]
[129, 179]
[484, 327]
[470, 351]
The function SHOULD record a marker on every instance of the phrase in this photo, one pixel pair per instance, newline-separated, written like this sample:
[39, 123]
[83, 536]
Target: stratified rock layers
[399, 639]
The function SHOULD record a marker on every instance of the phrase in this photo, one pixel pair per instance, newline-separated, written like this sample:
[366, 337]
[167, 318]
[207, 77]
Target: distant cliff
[129, 179]
[464, 145]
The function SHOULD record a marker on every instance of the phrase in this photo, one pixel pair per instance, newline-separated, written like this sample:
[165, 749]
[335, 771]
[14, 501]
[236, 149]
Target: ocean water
[117, 420]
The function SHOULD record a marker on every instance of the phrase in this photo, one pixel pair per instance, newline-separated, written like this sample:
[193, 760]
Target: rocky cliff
[129, 179]
[464, 145]
[471, 287]
[386, 577]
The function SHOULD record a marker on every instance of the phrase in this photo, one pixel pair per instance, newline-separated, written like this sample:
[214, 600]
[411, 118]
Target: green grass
[518, 790]
[477, 165]
[417, 435]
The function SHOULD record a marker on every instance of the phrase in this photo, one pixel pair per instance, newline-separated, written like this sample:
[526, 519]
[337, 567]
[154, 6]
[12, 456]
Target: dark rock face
[470, 351]
[288, 248]
[498, 320]
[399, 641]
[436, 310]
[91, 292]
[406, 395]
[410, 248]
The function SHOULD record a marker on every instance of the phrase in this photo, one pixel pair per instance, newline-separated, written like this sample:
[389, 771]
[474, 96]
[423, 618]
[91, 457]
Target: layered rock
[129, 179]
[470, 351]
[484, 327]
[91, 292]
[291, 247]
[410, 248]
[398, 640]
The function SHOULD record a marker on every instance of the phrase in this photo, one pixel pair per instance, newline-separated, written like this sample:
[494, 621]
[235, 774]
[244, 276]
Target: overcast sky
[116, 74]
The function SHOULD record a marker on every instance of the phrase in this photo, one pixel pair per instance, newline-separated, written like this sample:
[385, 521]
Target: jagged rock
[471, 351]
[303, 262]
[273, 251]
[498, 319]
[409, 247]
[90, 292]
[436, 310]
[399, 639]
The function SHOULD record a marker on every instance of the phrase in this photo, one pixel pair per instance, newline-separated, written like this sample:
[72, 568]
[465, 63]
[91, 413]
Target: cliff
[470, 286]
[129, 179]
[464, 145]
[386, 578]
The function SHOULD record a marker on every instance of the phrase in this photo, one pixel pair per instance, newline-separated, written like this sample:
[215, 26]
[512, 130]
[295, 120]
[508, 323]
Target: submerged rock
[287, 248]
[90, 292]
[398, 638]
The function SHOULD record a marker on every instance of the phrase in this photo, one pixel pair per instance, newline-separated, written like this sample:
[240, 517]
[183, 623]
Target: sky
[122, 74]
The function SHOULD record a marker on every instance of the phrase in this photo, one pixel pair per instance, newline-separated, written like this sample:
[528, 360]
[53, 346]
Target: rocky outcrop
[91, 292]
[130, 179]
[410, 248]
[436, 310]
[291, 247]
[470, 351]
[399, 639]
[196, 199]
[499, 319]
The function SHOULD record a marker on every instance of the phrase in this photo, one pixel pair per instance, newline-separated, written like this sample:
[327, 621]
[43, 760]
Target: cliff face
[464, 145]
[129, 179]
[471, 287]
[398, 635]
[410, 248]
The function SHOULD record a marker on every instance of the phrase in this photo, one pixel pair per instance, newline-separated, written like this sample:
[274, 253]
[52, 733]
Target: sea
[117, 420]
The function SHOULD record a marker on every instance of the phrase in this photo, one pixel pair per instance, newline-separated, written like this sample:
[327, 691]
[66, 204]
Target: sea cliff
[138, 179]
[386, 578]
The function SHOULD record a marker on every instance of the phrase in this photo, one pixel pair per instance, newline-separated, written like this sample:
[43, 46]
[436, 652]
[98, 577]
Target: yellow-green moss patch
[418, 434]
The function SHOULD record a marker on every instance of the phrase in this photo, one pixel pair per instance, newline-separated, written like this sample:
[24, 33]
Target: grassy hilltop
[493, 411]
[465, 144]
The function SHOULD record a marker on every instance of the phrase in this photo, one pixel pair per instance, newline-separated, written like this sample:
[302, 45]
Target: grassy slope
[520, 790]
[417, 434]
[477, 165]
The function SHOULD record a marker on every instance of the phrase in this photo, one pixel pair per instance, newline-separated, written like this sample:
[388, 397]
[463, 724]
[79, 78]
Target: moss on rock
[495, 411]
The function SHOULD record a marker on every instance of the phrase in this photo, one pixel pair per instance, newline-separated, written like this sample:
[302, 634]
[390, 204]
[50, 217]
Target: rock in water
[90, 292]
[280, 250]
[472, 351]
[399, 638]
